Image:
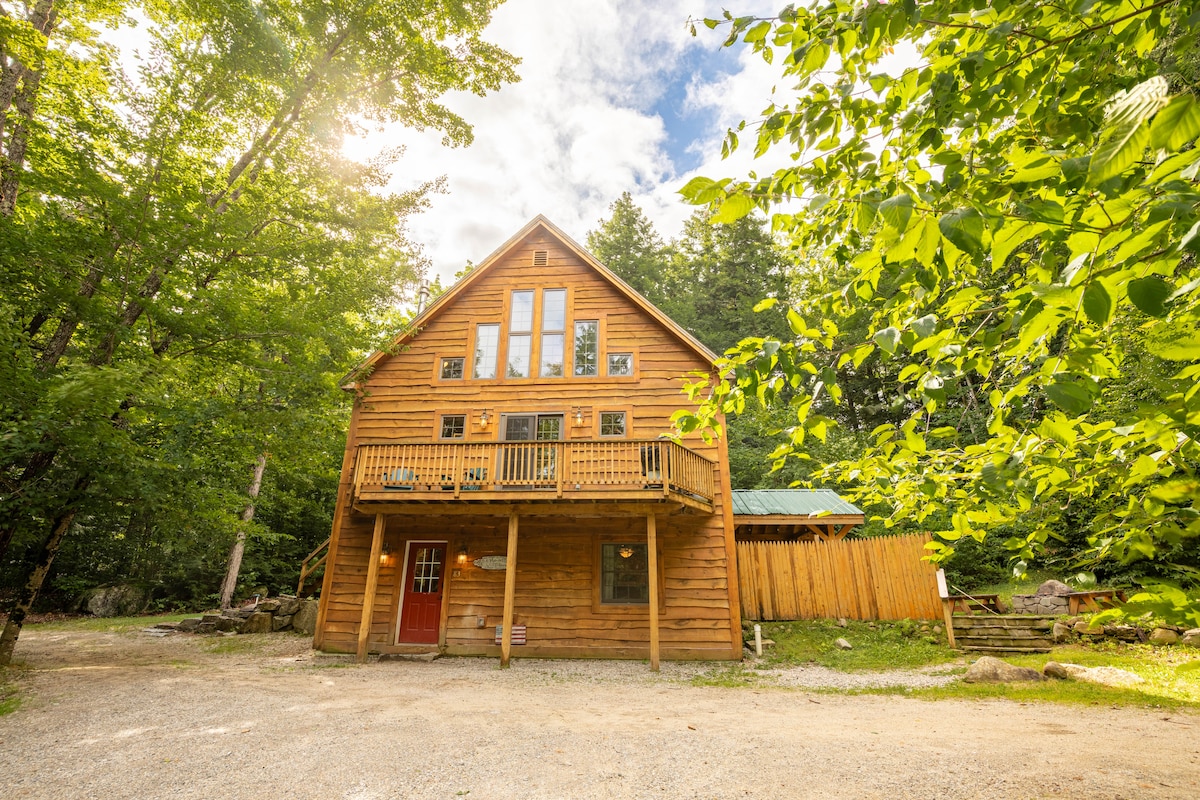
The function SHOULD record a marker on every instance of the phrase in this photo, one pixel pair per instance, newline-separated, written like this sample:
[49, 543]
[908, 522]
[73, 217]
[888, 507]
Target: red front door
[421, 609]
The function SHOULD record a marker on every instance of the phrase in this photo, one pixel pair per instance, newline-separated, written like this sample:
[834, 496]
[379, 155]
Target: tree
[1016, 213]
[627, 244]
[164, 231]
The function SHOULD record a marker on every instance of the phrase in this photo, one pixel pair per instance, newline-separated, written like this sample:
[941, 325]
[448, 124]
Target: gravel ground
[127, 715]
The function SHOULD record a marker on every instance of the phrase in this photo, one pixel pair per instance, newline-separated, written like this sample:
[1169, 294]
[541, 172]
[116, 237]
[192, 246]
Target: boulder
[305, 619]
[189, 625]
[117, 601]
[1053, 587]
[225, 624]
[989, 669]
[1191, 638]
[1060, 632]
[281, 622]
[1053, 669]
[1126, 633]
[843, 644]
[1163, 636]
[1103, 676]
[270, 606]
[288, 605]
[1087, 629]
[258, 622]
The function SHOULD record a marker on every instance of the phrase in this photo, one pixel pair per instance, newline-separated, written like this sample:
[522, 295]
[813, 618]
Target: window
[612, 423]
[624, 574]
[454, 426]
[452, 368]
[520, 338]
[620, 363]
[487, 341]
[587, 347]
[554, 324]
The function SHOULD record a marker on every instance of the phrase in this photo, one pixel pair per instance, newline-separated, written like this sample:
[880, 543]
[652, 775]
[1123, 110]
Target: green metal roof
[791, 502]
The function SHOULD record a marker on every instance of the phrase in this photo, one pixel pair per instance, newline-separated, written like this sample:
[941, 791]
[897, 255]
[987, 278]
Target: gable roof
[810, 503]
[540, 221]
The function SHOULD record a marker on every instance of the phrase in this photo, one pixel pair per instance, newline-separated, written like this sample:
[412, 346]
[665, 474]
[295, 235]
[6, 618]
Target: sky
[615, 96]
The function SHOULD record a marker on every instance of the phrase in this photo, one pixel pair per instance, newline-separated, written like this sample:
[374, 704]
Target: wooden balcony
[469, 474]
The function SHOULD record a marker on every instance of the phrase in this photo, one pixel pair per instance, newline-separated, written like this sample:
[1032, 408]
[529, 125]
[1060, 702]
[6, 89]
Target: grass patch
[107, 624]
[10, 698]
[887, 645]
[227, 645]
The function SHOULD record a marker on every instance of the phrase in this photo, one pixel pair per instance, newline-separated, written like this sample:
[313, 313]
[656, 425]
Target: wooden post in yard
[652, 569]
[510, 588]
[364, 626]
[947, 609]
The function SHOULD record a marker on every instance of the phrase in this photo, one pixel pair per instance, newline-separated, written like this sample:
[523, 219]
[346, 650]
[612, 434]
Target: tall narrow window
[554, 324]
[587, 347]
[487, 341]
[520, 334]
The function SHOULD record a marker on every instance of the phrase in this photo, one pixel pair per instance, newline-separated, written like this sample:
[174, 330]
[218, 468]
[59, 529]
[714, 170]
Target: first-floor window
[624, 573]
[454, 426]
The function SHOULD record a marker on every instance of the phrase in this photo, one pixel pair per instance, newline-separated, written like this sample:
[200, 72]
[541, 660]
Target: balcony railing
[495, 470]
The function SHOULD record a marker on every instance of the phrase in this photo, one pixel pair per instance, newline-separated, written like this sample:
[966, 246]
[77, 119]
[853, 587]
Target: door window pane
[518, 356]
[487, 341]
[549, 429]
[521, 318]
[427, 570]
[552, 356]
[587, 347]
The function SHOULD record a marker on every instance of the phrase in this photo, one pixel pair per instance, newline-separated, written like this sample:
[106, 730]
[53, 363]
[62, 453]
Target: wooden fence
[877, 578]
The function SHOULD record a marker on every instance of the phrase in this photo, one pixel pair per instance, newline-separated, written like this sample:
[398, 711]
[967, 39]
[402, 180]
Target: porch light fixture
[579, 415]
[462, 553]
[484, 418]
[626, 551]
[384, 554]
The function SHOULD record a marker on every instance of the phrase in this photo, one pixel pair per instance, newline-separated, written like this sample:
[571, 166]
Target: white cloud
[578, 129]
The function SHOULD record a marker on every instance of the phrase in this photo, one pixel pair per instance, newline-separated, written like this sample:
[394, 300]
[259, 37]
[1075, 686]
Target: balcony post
[652, 569]
[510, 587]
[368, 609]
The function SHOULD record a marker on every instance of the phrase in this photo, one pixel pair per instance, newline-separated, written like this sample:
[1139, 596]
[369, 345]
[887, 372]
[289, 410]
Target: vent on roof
[540, 258]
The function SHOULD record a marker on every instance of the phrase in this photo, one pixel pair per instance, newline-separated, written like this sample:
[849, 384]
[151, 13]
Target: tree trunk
[33, 584]
[239, 544]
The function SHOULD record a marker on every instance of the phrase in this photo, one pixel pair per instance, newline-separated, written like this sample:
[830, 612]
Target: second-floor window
[454, 426]
[520, 334]
[554, 324]
[587, 347]
[452, 368]
[487, 345]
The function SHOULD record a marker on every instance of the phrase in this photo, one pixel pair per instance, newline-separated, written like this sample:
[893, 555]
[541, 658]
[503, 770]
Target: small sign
[491, 562]
[518, 634]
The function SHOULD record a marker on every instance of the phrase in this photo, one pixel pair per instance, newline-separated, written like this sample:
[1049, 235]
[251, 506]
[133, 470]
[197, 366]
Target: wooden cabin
[506, 489]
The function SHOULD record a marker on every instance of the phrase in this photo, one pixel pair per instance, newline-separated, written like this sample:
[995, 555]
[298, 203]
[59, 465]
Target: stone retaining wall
[1043, 605]
[284, 613]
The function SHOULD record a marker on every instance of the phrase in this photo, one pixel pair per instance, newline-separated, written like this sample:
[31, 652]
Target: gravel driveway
[129, 716]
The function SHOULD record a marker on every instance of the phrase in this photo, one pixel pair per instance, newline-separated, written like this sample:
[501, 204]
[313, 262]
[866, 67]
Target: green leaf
[764, 304]
[1185, 348]
[732, 209]
[887, 339]
[1012, 236]
[897, 211]
[1070, 397]
[1177, 124]
[1097, 304]
[1149, 295]
[1125, 135]
[700, 190]
[964, 228]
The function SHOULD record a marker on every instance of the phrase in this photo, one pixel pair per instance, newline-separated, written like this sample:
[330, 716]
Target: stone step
[1010, 650]
[996, 630]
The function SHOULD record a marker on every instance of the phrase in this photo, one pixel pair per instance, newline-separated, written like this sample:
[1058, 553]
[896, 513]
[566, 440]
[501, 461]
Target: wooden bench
[969, 604]
[1078, 602]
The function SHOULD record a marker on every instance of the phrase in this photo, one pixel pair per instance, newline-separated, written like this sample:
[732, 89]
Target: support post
[947, 607]
[652, 568]
[364, 626]
[510, 589]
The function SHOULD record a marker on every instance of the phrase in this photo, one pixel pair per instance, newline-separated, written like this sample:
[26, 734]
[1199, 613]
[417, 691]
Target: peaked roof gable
[488, 264]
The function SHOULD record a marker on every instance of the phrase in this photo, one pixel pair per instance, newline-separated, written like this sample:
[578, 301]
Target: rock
[843, 644]
[258, 622]
[1163, 636]
[281, 622]
[1053, 669]
[117, 601]
[189, 625]
[288, 605]
[224, 624]
[1052, 587]
[1086, 629]
[842, 622]
[1060, 633]
[937, 630]
[989, 669]
[206, 627]
[270, 606]
[1103, 676]
[305, 619]
[1126, 633]
[1191, 638]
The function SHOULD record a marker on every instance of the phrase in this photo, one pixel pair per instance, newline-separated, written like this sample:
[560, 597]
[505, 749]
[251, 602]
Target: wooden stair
[1003, 633]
